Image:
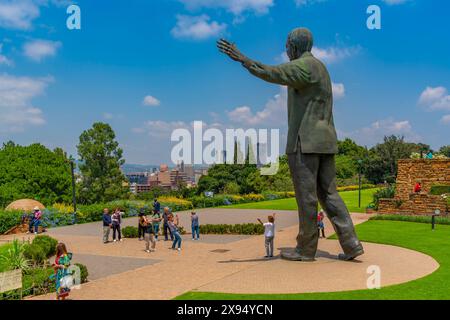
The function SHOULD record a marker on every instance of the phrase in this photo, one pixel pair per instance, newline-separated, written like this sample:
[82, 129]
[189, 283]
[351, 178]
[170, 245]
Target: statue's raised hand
[230, 50]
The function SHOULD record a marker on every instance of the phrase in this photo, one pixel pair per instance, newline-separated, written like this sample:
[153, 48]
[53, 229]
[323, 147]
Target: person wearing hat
[35, 220]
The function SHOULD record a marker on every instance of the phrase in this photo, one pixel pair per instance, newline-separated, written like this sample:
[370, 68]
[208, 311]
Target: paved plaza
[227, 263]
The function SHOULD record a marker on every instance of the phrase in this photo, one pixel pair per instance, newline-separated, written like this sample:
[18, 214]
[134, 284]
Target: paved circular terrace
[229, 264]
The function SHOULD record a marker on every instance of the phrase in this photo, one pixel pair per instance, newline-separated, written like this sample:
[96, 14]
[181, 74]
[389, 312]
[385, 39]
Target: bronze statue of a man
[311, 143]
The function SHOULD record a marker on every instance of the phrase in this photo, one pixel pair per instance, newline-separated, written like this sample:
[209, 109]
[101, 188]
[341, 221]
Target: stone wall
[428, 173]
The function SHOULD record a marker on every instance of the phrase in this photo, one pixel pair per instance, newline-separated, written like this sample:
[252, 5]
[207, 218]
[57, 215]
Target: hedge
[438, 190]
[419, 219]
[132, 232]
[241, 229]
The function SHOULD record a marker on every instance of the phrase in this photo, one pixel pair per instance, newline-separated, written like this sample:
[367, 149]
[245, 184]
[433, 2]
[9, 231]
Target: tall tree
[101, 159]
[381, 164]
[445, 150]
[33, 172]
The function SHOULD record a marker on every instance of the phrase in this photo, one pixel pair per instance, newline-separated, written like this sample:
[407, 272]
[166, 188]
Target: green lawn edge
[350, 198]
[410, 235]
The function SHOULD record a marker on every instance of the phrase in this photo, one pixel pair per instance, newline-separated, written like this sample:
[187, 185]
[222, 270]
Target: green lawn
[350, 198]
[415, 236]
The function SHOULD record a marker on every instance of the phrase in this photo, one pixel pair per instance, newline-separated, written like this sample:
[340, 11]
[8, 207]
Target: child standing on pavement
[320, 223]
[269, 234]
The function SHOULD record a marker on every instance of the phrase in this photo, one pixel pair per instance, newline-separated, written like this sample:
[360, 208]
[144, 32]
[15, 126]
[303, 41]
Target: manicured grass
[415, 236]
[350, 198]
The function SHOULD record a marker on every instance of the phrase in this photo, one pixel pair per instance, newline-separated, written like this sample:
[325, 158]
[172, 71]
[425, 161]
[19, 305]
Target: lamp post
[437, 213]
[359, 181]
[74, 199]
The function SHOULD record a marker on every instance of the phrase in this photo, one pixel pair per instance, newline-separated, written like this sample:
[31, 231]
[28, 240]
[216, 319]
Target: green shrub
[34, 282]
[242, 229]
[35, 253]
[385, 193]
[9, 219]
[438, 190]
[83, 272]
[130, 232]
[48, 244]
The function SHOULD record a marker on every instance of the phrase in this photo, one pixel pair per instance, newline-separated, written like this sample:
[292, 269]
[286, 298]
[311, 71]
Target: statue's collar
[306, 54]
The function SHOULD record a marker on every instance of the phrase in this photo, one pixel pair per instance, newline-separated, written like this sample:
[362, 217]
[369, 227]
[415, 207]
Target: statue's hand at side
[230, 50]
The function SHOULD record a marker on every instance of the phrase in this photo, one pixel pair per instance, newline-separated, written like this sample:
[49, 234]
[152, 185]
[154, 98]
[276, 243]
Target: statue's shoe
[295, 256]
[352, 256]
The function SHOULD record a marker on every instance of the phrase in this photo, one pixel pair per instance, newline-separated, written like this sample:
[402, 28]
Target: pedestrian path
[229, 264]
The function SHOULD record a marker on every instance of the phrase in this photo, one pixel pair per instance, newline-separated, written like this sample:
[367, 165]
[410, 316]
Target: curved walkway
[229, 264]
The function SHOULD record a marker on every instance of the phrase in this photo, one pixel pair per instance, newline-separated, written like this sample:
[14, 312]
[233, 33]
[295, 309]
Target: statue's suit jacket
[310, 102]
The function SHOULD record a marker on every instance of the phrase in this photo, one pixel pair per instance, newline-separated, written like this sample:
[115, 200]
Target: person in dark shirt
[156, 206]
[195, 226]
[116, 222]
[107, 224]
[166, 226]
[141, 227]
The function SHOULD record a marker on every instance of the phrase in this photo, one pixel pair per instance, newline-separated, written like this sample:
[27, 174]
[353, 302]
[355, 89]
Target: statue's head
[299, 41]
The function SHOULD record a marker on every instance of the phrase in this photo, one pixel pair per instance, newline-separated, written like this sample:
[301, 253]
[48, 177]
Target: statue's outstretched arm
[289, 74]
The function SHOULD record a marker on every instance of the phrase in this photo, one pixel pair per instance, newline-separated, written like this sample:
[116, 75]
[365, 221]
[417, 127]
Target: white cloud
[300, 3]
[435, 99]
[237, 7]
[3, 59]
[160, 129]
[334, 54]
[37, 50]
[108, 116]
[151, 101]
[16, 109]
[18, 14]
[446, 119]
[395, 2]
[274, 112]
[338, 91]
[197, 27]
[329, 55]
[379, 129]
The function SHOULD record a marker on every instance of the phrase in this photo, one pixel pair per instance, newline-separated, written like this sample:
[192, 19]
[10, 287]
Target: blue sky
[148, 67]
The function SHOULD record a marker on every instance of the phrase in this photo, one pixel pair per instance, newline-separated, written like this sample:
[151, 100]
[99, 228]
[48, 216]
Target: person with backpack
[166, 227]
[156, 220]
[149, 235]
[141, 227]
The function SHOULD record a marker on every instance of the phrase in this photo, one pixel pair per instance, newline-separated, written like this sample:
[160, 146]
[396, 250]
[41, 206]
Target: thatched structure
[25, 205]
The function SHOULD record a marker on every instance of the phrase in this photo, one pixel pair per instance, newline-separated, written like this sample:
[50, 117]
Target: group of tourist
[149, 226]
[112, 222]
